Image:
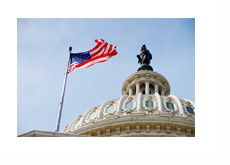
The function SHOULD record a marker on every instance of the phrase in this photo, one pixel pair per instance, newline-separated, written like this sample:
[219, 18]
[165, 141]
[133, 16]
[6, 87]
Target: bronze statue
[144, 59]
[145, 56]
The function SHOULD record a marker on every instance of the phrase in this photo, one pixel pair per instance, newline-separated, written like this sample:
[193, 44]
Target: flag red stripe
[99, 51]
[97, 46]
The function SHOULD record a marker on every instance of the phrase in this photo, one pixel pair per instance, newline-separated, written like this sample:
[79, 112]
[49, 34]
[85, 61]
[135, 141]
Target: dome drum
[133, 127]
[132, 109]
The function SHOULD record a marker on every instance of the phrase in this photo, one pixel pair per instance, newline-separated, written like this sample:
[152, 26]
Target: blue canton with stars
[79, 57]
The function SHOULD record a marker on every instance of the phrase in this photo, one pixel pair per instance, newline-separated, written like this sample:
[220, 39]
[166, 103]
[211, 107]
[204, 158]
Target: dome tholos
[146, 108]
[146, 82]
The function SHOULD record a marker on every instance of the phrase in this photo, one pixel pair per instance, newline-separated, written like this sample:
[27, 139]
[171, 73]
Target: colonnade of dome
[146, 82]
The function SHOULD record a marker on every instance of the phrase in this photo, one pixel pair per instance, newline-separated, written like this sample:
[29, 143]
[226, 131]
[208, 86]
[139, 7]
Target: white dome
[144, 109]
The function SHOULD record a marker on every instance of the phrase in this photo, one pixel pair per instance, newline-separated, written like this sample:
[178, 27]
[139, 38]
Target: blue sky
[42, 50]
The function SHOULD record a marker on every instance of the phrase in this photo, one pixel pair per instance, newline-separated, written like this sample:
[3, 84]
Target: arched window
[76, 124]
[129, 105]
[92, 115]
[149, 104]
[190, 110]
[170, 105]
[109, 109]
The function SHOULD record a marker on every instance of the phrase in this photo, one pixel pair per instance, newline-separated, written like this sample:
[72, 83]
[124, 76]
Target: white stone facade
[145, 108]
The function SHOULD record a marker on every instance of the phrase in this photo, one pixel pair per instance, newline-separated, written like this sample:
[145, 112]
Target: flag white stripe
[113, 49]
[97, 49]
[95, 61]
[72, 66]
[100, 52]
[107, 49]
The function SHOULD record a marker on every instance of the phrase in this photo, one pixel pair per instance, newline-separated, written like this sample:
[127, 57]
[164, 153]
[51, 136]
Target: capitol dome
[146, 108]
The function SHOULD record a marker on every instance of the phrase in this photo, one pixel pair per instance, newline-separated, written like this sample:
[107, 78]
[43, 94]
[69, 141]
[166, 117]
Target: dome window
[190, 110]
[92, 115]
[169, 105]
[76, 124]
[129, 105]
[109, 109]
[149, 104]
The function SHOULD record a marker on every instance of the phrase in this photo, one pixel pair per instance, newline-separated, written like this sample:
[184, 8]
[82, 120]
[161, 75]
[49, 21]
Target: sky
[42, 51]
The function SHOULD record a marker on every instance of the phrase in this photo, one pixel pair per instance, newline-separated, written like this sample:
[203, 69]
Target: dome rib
[120, 104]
[101, 109]
[159, 101]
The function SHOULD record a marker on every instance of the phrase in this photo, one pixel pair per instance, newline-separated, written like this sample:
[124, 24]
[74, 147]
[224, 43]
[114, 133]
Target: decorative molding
[178, 130]
[168, 99]
[173, 112]
[108, 132]
[128, 111]
[127, 129]
[118, 130]
[148, 128]
[111, 130]
[167, 129]
[130, 99]
[111, 103]
[138, 128]
[98, 133]
[189, 132]
[149, 98]
[158, 128]
[158, 79]
[187, 103]
[150, 110]
[65, 128]
[147, 74]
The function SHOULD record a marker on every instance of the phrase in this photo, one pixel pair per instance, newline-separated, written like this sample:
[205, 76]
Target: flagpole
[63, 92]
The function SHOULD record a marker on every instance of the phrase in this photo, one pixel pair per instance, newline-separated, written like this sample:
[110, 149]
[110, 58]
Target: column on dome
[164, 89]
[137, 88]
[130, 91]
[163, 92]
[147, 87]
[156, 88]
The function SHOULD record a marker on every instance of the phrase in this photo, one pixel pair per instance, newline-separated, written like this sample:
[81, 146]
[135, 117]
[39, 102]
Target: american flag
[100, 53]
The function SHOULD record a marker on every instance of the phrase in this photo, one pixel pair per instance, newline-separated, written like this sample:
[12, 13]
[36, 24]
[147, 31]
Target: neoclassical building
[146, 108]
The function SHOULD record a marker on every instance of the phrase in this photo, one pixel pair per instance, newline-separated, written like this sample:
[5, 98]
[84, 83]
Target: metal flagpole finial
[70, 48]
